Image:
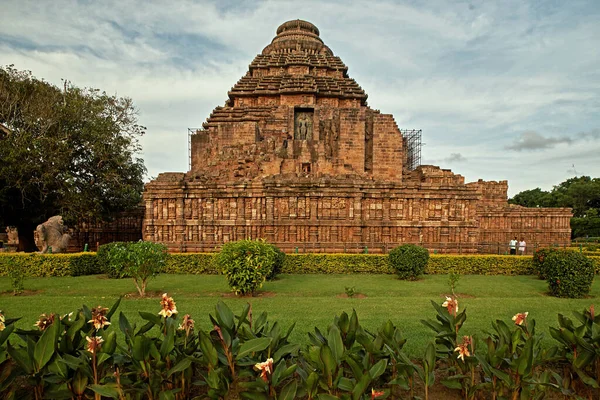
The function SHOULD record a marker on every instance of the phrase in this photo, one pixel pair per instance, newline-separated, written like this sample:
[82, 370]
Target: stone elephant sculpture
[52, 234]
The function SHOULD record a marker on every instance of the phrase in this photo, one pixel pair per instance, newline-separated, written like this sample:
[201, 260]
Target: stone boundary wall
[340, 217]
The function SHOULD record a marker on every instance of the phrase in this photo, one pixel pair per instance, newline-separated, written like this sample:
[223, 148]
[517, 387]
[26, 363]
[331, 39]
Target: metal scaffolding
[191, 131]
[411, 139]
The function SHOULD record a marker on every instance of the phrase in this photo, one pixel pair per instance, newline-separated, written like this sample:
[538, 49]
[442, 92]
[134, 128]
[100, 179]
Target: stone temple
[297, 157]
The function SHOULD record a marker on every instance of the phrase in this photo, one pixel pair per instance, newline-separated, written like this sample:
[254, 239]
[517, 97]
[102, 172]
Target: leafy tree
[582, 194]
[139, 260]
[68, 151]
[533, 198]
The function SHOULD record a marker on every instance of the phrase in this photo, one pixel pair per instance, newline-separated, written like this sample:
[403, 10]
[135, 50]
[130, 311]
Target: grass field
[310, 300]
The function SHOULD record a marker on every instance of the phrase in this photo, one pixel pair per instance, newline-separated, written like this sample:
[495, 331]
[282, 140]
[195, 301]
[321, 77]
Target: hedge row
[203, 263]
[72, 264]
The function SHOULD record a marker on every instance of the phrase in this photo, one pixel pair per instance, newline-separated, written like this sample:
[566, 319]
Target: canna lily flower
[451, 304]
[168, 305]
[45, 321]
[187, 324]
[99, 319]
[463, 348]
[265, 368]
[592, 312]
[519, 318]
[2, 320]
[94, 343]
[376, 393]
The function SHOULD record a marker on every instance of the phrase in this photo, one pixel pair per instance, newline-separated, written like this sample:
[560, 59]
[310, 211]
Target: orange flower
[451, 305]
[463, 348]
[520, 318]
[187, 324]
[45, 321]
[265, 368]
[376, 393]
[168, 305]
[94, 343]
[2, 320]
[592, 311]
[99, 319]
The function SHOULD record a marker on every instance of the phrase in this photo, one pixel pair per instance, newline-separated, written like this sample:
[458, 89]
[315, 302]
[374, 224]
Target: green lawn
[310, 300]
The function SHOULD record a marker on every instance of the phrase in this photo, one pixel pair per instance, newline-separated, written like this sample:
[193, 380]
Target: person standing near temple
[522, 246]
[513, 246]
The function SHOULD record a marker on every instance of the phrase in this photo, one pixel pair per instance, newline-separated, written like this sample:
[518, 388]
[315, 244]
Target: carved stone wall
[297, 157]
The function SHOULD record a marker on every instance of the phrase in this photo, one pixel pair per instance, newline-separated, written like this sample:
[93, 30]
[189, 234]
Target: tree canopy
[581, 193]
[70, 151]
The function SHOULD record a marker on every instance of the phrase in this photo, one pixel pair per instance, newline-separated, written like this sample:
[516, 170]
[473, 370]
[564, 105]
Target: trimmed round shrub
[246, 264]
[409, 260]
[568, 273]
[538, 260]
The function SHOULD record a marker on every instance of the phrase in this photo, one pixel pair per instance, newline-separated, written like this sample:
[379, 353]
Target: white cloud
[476, 77]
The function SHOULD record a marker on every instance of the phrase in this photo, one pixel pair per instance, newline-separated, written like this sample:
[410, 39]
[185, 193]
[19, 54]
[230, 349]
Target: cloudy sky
[502, 90]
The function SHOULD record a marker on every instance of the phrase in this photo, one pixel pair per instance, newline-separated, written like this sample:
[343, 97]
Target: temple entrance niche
[303, 123]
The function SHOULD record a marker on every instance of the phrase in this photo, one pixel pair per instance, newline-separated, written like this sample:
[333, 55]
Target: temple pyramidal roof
[298, 44]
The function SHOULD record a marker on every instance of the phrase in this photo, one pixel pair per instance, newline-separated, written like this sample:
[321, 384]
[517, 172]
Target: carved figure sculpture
[52, 233]
[13, 235]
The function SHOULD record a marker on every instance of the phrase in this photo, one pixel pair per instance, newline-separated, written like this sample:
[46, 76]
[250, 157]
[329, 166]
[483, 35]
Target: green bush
[476, 264]
[191, 263]
[409, 260]
[539, 257]
[139, 260]
[278, 264]
[246, 264]
[113, 270]
[85, 264]
[42, 265]
[568, 273]
[336, 264]
[16, 274]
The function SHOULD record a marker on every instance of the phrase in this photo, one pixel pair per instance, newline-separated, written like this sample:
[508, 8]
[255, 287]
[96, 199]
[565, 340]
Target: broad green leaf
[124, 325]
[224, 315]
[334, 340]
[208, 349]
[328, 360]
[168, 342]
[288, 392]
[325, 396]
[253, 346]
[167, 395]
[6, 333]
[46, 346]
[180, 366]
[154, 318]
[254, 395]
[21, 357]
[451, 383]
[378, 369]
[361, 386]
[291, 348]
[109, 390]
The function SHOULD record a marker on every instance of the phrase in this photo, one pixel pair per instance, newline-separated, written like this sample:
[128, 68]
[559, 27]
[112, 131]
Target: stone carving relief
[303, 124]
[329, 134]
[52, 233]
[369, 143]
[13, 235]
